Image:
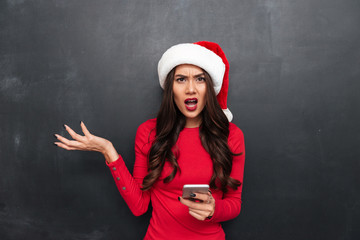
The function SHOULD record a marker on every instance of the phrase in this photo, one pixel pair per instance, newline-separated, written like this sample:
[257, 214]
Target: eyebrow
[197, 75]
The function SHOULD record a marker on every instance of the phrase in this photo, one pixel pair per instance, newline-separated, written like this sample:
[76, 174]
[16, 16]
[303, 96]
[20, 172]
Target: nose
[190, 87]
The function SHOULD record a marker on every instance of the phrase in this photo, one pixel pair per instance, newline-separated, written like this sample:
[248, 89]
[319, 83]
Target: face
[189, 93]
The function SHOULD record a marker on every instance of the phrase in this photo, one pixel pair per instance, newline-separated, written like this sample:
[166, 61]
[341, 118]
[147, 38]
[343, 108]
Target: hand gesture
[88, 142]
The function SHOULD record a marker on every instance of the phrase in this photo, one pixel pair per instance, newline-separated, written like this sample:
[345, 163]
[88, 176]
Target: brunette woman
[192, 141]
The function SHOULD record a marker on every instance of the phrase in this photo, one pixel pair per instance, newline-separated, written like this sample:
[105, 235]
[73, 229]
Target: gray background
[294, 91]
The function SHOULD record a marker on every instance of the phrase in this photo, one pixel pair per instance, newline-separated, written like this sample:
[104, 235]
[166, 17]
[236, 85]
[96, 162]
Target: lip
[191, 107]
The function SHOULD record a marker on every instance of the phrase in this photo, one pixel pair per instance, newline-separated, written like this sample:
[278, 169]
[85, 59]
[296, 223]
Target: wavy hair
[214, 133]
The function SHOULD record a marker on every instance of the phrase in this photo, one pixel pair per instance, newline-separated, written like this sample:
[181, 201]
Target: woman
[190, 142]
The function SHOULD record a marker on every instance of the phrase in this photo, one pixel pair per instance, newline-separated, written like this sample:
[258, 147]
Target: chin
[192, 116]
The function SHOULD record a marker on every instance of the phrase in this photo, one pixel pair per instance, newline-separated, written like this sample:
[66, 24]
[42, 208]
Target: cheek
[203, 94]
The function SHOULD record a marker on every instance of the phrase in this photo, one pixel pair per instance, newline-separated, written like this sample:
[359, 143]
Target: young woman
[192, 141]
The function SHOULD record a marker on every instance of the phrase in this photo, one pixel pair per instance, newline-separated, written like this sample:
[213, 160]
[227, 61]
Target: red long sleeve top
[171, 219]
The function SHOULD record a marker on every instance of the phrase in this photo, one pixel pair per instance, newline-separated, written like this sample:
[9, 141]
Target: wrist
[110, 153]
[106, 148]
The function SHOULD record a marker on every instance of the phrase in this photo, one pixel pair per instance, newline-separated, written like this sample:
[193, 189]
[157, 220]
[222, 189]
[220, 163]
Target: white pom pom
[228, 114]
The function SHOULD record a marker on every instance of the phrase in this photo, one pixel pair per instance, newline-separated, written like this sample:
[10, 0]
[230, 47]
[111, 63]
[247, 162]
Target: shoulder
[235, 131]
[146, 131]
[236, 136]
[148, 125]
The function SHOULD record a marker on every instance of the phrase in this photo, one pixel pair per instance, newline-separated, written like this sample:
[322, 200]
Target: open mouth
[191, 104]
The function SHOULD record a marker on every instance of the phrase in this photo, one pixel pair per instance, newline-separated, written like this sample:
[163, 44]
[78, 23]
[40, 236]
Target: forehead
[188, 68]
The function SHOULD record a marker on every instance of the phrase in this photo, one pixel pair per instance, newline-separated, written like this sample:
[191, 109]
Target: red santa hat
[206, 55]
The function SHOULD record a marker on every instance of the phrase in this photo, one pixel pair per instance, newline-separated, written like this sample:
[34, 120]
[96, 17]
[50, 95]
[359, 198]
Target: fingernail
[80, 122]
[179, 198]
[192, 195]
[55, 144]
[55, 136]
[64, 126]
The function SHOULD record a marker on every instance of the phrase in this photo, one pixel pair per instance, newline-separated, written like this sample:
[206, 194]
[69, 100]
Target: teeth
[191, 101]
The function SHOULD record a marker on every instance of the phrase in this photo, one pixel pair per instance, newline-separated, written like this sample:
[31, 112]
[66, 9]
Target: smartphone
[194, 188]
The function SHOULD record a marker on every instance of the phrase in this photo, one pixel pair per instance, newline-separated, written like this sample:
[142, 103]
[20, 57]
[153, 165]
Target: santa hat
[206, 55]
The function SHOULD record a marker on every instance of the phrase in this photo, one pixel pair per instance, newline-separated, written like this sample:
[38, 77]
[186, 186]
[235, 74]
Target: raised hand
[88, 142]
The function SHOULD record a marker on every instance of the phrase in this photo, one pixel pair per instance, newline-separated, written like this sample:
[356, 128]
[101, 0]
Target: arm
[128, 185]
[230, 205]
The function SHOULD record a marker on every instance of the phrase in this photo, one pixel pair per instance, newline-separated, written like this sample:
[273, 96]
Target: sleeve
[128, 185]
[230, 205]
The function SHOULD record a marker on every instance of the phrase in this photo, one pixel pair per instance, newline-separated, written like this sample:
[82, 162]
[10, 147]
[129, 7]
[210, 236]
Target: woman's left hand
[203, 209]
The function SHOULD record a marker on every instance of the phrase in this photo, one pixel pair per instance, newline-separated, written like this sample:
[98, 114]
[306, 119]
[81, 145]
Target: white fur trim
[189, 53]
[228, 114]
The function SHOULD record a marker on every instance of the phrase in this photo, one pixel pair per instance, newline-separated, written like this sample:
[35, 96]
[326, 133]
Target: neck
[193, 122]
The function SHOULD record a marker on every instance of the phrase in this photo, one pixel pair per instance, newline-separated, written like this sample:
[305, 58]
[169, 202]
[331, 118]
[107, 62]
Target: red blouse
[171, 219]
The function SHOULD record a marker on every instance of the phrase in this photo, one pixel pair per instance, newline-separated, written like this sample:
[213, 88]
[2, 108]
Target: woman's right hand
[88, 142]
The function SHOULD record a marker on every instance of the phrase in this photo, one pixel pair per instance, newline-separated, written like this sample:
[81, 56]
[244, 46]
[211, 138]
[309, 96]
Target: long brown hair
[214, 133]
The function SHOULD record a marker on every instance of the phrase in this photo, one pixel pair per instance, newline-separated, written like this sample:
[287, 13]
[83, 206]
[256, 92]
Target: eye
[180, 79]
[200, 79]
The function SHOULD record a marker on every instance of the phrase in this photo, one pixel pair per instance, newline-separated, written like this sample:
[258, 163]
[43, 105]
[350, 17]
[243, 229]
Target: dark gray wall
[294, 91]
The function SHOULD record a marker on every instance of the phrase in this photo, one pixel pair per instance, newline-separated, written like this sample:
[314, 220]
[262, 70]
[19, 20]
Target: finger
[61, 138]
[73, 134]
[202, 196]
[70, 143]
[84, 129]
[203, 208]
[59, 144]
[201, 213]
[197, 216]
[192, 204]
[186, 202]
